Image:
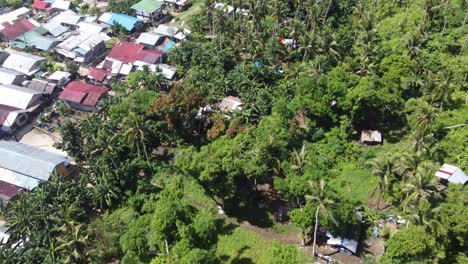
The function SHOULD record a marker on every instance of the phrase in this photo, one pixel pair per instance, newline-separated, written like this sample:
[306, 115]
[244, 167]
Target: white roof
[91, 27]
[13, 16]
[55, 28]
[25, 166]
[8, 76]
[61, 4]
[148, 38]
[10, 119]
[59, 75]
[67, 17]
[18, 97]
[452, 174]
[166, 70]
[125, 69]
[349, 244]
[81, 40]
[166, 30]
[182, 34]
[116, 65]
[92, 41]
[23, 62]
[105, 17]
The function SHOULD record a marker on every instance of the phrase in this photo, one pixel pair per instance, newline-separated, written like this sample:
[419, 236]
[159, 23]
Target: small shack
[344, 245]
[83, 96]
[230, 104]
[371, 137]
[452, 174]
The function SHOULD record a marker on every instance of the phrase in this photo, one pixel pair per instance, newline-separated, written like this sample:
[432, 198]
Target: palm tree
[134, 134]
[423, 116]
[383, 168]
[420, 189]
[74, 242]
[299, 160]
[319, 197]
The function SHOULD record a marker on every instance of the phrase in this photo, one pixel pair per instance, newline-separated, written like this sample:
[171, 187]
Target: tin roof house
[451, 174]
[26, 166]
[130, 23]
[9, 76]
[15, 30]
[83, 47]
[83, 96]
[25, 63]
[371, 137]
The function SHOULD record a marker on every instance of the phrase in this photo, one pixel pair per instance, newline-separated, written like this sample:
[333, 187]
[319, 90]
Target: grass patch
[355, 182]
[186, 15]
[285, 228]
[243, 246]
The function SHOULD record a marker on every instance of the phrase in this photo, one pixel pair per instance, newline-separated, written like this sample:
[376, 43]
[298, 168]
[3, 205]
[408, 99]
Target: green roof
[35, 39]
[148, 6]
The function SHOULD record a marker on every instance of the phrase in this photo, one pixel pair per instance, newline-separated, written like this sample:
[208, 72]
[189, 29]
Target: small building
[230, 104]
[60, 4]
[97, 75]
[371, 137]
[83, 47]
[452, 174]
[130, 23]
[347, 246]
[178, 5]
[166, 30]
[8, 76]
[149, 39]
[83, 96]
[149, 10]
[15, 30]
[14, 16]
[19, 97]
[25, 63]
[35, 39]
[61, 78]
[92, 27]
[26, 166]
[42, 6]
[11, 118]
[43, 86]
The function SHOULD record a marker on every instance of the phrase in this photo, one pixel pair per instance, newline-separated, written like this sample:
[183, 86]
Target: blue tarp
[169, 46]
[128, 22]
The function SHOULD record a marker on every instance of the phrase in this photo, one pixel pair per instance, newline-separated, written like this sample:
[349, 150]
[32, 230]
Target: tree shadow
[225, 228]
[245, 209]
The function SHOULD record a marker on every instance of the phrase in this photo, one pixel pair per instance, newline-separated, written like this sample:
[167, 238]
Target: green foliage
[412, 245]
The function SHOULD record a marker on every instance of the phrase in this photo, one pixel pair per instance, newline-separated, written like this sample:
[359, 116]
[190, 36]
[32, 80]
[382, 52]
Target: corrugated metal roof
[83, 93]
[148, 38]
[148, 56]
[11, 32]
[125, 52]
[26, 164]
[55, 28]
[23, 62]
[18, 97]
[97, 74]
[9, 76]
[166, 30]
[41, 5]
[128, 22]
[148, 6]
[8, 191]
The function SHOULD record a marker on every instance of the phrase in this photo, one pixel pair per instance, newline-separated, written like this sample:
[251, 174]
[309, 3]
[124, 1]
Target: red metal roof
[42, 5]
[97, 74]
[148, 56]
[8, 191]
[83, 93]
[11, 32]
[126, 52]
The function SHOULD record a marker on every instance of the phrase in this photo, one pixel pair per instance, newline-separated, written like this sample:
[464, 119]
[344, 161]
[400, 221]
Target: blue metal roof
[128, 22]
[168, 46]
[29, 161]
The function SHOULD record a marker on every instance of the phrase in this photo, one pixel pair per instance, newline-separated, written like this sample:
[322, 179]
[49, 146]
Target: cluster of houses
[26, 81]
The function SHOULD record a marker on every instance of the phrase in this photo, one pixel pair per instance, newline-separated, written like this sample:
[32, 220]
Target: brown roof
[8, 191]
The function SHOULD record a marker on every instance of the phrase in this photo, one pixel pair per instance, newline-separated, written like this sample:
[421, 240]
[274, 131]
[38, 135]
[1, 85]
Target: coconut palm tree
[134, 134]
[420, 189]
[383, 168]
[74, 242]
[324, 203]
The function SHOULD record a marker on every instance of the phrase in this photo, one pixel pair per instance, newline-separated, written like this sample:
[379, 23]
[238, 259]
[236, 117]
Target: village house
[43, 86]
[83, 47]
[35, 39]
[16, 103]
[12, 31]
[452, 174]
[149, 39]
[8, 76]
[371, 137]
[177, 5]
[123, 57]
[14, 16]
[61, 78]
[130, 23]
[62, 23]
[50, 5]
[26, 166]
[25, 63]
[83, 96]
[149, 10]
